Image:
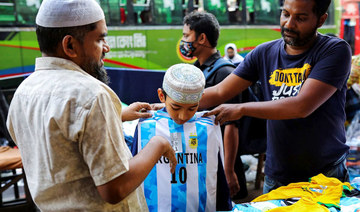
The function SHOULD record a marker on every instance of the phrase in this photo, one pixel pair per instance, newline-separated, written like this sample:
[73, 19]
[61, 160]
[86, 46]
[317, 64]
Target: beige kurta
[68, 127]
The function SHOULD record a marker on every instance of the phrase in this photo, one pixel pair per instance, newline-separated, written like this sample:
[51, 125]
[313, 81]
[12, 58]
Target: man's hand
[169, 152]
[157, 106]
[233, 182]
[136, 110]
[139, 167]
[225, 112]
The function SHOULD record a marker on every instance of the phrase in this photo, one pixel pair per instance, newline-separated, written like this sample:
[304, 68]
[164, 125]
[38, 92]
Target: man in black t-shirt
[303, 78]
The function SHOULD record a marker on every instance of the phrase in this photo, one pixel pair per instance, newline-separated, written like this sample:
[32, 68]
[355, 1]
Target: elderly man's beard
[96, 70]
[297, 40]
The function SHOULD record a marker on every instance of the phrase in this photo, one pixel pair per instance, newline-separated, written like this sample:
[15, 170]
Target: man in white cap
[67, 122]
[199, 182]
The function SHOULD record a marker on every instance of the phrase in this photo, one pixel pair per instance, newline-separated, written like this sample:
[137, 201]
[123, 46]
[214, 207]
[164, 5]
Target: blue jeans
[338, 171]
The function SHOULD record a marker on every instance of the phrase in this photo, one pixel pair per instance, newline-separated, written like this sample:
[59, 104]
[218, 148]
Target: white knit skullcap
[68, 13]
[184, 83]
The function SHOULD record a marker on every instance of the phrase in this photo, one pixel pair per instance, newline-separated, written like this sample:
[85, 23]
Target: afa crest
[193, 141]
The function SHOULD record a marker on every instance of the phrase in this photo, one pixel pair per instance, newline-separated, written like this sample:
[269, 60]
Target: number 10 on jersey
[180, 176]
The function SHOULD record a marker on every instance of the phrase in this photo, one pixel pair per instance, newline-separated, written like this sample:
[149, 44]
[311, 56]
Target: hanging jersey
[197, 144]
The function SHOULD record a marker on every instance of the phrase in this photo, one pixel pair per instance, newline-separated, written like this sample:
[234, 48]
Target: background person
[303, 78]
[232, 55]
[67, 122]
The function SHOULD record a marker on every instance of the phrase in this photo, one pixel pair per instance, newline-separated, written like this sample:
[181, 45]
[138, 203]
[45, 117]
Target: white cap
[68, 13]
[184, 83]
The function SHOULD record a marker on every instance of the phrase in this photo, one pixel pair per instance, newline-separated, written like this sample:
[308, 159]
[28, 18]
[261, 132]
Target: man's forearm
[275, 110]
[312, 95]
[139, 167]
[210, 98]
[231, 143]
[231, 86]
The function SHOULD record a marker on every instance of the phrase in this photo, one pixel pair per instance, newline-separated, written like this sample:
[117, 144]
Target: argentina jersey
[193, 185]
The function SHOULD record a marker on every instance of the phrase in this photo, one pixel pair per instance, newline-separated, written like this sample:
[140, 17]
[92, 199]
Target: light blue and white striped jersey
[193, 185]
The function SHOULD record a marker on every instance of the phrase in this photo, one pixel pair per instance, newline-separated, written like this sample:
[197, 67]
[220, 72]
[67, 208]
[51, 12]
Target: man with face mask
[200, 35]
[303, 78]
[67, 122]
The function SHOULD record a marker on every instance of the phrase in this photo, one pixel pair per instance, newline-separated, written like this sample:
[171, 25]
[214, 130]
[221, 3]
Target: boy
[197, 142]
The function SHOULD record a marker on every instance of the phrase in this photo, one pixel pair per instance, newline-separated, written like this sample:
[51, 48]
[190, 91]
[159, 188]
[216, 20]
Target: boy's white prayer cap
[68, 13]
[184, 83]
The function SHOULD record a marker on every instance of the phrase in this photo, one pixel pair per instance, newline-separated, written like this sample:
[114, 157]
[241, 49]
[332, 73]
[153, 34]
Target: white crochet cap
[184, 83]
[68, 13]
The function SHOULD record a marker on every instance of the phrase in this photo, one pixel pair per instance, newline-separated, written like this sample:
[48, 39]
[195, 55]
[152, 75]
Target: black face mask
[187, 48]
[231, 57]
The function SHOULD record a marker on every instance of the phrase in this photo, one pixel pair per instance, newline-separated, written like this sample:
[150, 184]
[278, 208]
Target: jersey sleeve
[102, 146]
[334, 65]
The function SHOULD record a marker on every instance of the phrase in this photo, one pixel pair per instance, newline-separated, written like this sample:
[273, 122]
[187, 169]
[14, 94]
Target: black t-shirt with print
[301, 148]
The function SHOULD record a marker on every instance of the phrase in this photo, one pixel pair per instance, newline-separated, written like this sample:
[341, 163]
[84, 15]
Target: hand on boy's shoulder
[206, 113]
[136, 110]
[225, 113]
[157, 106]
